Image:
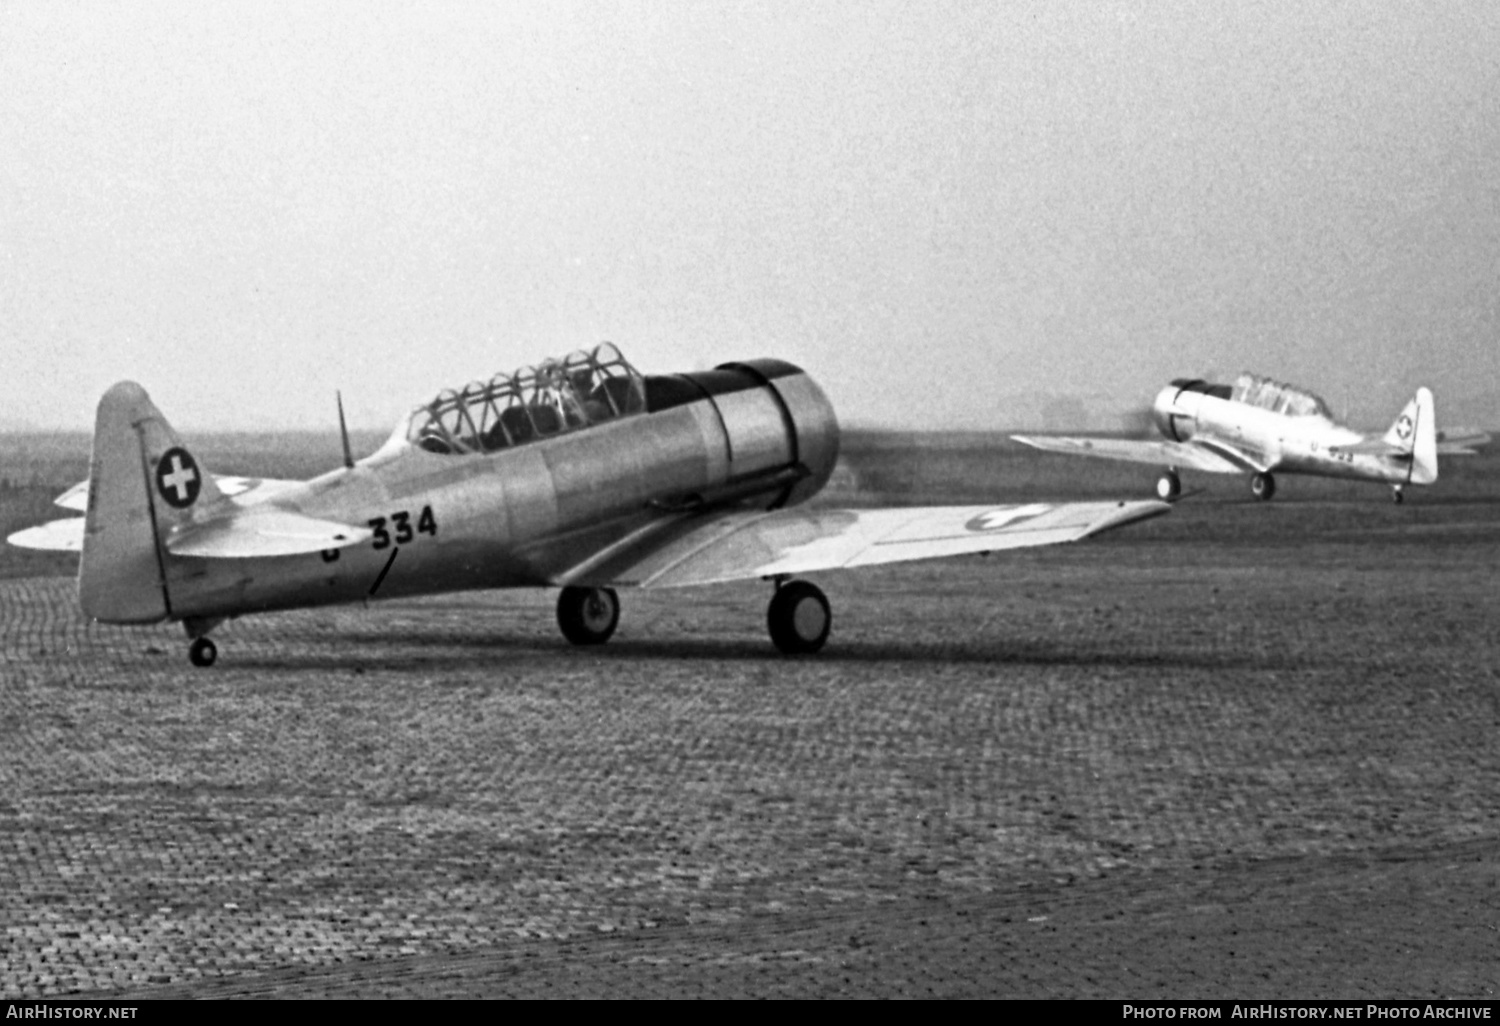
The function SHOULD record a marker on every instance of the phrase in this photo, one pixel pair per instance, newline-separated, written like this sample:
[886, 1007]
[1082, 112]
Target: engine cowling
[775, 418]
[1175, 413]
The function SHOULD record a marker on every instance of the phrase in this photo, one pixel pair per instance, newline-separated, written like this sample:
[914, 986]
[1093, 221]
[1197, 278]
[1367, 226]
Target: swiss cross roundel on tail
[1403, 427]
[178, 479]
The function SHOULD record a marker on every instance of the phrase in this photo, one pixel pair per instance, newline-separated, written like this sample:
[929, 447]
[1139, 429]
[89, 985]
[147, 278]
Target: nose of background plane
[1162, 408]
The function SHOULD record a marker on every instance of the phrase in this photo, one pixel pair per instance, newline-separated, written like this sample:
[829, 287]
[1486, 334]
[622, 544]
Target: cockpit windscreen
[580, 390]
[1279, 397]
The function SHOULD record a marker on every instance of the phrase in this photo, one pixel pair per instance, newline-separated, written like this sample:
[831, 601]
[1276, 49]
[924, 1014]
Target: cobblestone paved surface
[1406, 925]
[1149, 766]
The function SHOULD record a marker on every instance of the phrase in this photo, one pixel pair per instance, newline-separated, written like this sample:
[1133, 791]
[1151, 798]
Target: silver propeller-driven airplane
[1265, 427]
[580, 474]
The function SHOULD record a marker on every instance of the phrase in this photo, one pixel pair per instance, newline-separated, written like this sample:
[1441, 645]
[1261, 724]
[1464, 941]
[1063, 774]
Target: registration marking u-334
[426, 524]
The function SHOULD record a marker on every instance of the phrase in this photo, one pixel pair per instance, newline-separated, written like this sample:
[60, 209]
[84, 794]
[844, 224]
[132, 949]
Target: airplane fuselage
[1273, 442]
[760, 434]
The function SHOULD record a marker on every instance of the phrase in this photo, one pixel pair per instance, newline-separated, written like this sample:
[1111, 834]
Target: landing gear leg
[1398, 494]
[798, 618]
[1263, 486]
[1169, 486]
[588, 616]
[202, 652]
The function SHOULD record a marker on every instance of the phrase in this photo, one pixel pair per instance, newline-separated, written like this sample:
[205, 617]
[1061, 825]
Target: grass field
[1245, 750]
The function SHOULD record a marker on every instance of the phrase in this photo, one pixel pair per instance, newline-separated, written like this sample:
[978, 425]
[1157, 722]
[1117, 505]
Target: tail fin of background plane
[142, 483]
[1415, 432]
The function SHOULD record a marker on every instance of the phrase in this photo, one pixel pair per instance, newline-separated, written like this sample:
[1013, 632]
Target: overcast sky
[932, 207]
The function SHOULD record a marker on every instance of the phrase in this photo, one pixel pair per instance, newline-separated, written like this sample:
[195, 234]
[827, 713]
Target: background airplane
[1266, 427]
[580, 474]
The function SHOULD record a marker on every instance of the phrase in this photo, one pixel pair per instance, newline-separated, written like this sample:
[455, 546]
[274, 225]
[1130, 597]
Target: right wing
[734, 545]
[1219, 460]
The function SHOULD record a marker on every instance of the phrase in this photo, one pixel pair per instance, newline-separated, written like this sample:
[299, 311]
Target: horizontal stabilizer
[1372, 447]
[77, 497]
[1461, 441]
[739, 545]
[263, 531]
[57, 535]
[1158, 454]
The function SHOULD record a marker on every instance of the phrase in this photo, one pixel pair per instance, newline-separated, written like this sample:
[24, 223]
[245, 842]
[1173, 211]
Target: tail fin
[1415, 432]
[142, 483]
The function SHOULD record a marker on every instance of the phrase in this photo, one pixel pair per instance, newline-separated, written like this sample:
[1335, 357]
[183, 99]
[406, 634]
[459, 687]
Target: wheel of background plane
[1263, 486]
[588, 616]
[1398, 495]
[1169, 486]
[202, 652]
[799, 618]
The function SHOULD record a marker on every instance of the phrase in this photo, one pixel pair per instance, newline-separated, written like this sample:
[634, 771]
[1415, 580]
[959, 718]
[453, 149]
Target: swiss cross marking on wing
[177, 478]
[1005, 516]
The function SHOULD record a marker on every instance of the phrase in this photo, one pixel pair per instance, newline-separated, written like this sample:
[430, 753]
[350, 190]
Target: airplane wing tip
[1128, 511]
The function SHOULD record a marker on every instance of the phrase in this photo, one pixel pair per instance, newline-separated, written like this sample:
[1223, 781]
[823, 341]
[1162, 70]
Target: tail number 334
[401, 529]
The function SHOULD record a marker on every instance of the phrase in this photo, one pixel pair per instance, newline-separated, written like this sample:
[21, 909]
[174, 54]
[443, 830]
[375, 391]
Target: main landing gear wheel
[799, 618]
[588, 616]
[1398, 495]
[1169, 486]
[202, 652]
[1263, 486]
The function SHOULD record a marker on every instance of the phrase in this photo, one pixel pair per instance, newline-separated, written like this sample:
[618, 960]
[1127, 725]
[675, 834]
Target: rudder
[1424, 454]
[142, 483]
[1415, 431]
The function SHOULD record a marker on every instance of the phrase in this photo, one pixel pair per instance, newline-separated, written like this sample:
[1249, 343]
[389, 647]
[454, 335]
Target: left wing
[1161, 453]
[738, 545]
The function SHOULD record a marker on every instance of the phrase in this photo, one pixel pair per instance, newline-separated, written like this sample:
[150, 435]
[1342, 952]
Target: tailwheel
[799, 618]
[202, 652]
[1398, 495]
[1169, 486]
[1263, 486]
[588, 616]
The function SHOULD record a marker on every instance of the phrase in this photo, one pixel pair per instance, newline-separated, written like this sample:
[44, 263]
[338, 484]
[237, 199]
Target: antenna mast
[344, 432]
